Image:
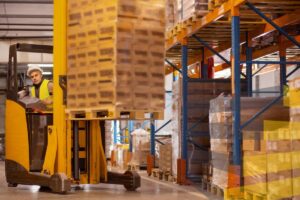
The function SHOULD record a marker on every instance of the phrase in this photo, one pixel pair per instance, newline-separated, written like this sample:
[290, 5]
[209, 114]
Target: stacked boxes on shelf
[258, 148]
[191, 8]
[294, 104]
[140, 147]
[220, 125]
[116, 54]
[199, 95]
[171, 14]
[165, 157]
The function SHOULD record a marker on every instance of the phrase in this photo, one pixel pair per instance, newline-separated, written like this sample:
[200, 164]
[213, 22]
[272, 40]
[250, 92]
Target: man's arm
[50, 88]
[49, 100]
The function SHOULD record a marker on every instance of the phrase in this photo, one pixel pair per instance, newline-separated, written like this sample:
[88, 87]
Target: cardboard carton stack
[191, 8]
[116, 54]
[264, 144]
[294, 103]
[199, 95]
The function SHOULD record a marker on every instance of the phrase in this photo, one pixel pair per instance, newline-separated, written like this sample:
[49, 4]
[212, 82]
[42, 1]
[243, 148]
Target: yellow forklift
[48, 148]
[33, 152]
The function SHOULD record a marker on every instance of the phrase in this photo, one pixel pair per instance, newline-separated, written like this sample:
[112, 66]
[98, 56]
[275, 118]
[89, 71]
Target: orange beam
[281, 22]
[207, 19]
[260, 53]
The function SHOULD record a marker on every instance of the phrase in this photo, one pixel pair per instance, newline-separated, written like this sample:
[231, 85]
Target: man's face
[36, 77]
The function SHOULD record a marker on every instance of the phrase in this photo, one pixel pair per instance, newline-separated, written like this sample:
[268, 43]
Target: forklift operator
[42, 88]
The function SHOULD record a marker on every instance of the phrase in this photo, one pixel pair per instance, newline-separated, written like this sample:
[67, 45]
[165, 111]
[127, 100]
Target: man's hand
[47, 101]
[22, 94]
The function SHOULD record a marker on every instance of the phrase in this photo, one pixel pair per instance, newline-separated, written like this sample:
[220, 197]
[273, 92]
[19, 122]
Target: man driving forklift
[41, 89]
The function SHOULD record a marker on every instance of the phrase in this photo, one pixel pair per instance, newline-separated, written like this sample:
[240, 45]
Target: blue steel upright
[248, 66]
[130, 130]
[184, 63]
[282, 74]
[152, 136]
[115, 132]
[237, 90]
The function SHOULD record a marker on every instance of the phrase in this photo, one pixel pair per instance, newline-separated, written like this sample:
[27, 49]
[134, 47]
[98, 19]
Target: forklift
[38, 153]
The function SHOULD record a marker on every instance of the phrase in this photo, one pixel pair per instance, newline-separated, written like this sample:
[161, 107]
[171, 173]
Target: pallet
[163, 175]
[133, 167]
[110, 113]
[249, 195]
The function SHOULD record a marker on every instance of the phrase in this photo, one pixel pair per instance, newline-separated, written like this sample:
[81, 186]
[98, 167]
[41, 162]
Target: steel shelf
[235, 25]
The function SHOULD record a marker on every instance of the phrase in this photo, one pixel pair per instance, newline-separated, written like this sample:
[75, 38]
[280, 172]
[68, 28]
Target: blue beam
[165, 124]
[266, 107]
[211, 49]
[237, 90]
[152, 136]
[248, 66]
[282, 73]
[244, 75]
[115, 132]
[204, 67]
[259, 70]
[272, 62]
[184, 63]
[172, 65]
[199, 146]
[293, 71]
[196, 124]
[278, 28]
[130, 130]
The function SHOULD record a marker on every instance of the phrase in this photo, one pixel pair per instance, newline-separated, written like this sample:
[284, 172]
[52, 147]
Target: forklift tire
[135, 181]
[12, 184]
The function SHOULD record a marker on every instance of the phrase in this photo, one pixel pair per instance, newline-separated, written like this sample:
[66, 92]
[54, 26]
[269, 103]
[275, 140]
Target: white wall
[25, 57]
[270, 81]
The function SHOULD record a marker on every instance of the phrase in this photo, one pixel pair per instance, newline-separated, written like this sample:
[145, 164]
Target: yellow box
[280, 189]
[255, 163]
[279, 162]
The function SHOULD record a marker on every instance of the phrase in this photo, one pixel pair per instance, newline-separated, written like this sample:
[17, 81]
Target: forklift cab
[37, 122]
[27, 131]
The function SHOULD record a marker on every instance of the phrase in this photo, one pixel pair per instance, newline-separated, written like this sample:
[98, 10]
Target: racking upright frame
[179, 37]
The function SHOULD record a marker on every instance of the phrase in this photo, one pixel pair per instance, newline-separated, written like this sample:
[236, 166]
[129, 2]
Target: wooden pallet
[133, 167]
[110, 113]
[163, 175]
[250, 195]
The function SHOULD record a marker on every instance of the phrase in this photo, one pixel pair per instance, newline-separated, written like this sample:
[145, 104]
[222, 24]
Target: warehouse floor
[150, 189]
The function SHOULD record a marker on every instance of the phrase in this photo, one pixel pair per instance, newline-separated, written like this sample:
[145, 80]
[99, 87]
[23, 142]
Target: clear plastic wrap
[140, 146]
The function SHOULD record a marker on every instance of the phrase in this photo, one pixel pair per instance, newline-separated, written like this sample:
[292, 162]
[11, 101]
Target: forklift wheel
[135, 183]
[12, 184]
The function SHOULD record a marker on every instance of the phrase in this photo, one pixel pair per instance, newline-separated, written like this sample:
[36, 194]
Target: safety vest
[43, 90]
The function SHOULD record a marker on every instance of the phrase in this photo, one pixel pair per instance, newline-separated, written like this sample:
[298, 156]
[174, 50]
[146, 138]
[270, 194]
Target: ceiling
[21, 19]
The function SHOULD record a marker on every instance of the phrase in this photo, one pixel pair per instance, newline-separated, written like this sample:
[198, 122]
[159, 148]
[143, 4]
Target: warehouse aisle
[151, 189]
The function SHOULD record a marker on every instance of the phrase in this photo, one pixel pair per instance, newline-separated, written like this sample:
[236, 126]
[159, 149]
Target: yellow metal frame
[60, 63]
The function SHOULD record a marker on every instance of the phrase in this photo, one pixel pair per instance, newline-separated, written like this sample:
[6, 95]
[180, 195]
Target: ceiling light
[41, 65]
[47, 73]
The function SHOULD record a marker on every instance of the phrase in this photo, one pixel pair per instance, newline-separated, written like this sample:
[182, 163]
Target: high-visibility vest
[43, 90]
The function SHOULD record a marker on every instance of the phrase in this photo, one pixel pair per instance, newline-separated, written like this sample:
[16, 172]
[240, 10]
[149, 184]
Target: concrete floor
[150, 189]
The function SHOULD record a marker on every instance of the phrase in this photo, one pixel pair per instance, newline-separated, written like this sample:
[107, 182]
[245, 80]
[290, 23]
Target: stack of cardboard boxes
[294, 103]
[116, 54]
[264, 144]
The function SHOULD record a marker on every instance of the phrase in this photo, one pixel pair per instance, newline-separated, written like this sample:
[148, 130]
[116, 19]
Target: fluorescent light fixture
[41, 65]
[47, 73]
[223, 74]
